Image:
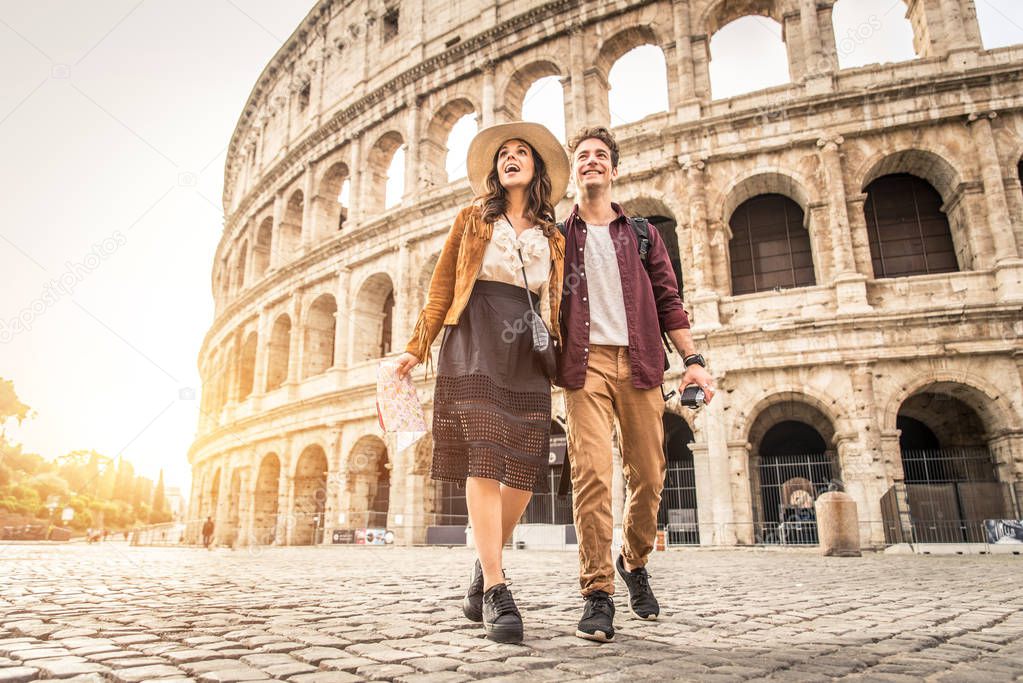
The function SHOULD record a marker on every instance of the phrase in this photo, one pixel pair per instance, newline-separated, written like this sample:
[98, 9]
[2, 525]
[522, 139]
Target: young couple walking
[605, 305]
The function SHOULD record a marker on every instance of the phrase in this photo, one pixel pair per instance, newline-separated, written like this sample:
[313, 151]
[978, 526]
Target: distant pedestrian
[207, 532]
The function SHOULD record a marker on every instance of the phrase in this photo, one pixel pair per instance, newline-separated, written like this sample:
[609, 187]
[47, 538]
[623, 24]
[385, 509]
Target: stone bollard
[838, 524]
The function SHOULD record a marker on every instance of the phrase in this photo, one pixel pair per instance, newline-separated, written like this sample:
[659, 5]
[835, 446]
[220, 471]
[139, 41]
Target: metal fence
[789, 485]
[549, 508]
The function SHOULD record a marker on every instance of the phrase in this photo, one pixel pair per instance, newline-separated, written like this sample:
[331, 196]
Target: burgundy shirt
[650, 293]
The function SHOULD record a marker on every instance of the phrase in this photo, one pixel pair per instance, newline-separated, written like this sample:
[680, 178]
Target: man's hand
[698, 375]
[406, 362]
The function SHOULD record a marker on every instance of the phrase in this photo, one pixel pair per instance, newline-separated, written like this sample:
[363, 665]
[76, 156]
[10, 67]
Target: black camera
[692, 397]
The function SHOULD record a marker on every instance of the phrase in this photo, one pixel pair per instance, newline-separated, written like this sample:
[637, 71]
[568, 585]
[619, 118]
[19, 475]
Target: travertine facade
[288, 439]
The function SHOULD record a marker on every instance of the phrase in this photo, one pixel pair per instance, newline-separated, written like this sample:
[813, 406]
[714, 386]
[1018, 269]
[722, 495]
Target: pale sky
[114, 120]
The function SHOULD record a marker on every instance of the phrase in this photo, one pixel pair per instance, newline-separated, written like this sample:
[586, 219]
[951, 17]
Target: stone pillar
[355, 198]
[892, 459]
[341, 348]
[792, 34]
[720, 470]
[596, 87]
[1008, 264]
[332, 504]
[247, 505]
[262, 360]
[994, 189]
[310, 231]
[704, 492]
[276, 261]
[704, 299]
[837, 524]
[489, 96]
[813, 49]
[412, 153]
[701, 65]
[850, 286]
[223, 498]
[576, 85]
[688, 104]
[282, 536]
[742, 497]
[862, 260]
[294, 341]
[400, 331]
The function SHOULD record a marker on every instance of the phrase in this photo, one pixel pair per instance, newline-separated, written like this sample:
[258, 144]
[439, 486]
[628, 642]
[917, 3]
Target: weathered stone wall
[289, 364]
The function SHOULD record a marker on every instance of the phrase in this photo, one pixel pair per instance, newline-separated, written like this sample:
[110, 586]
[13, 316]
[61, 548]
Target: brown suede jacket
[457, 269]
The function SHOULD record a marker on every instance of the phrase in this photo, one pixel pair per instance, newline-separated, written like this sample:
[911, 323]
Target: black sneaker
[598, 618]
[642, 602]
[501, 617]
[472, 604]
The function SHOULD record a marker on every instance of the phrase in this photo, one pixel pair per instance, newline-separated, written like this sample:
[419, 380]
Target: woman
[492, 403]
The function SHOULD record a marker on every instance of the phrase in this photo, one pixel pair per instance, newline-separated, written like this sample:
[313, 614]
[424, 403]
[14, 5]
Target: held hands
[698, 375]
[406, 362]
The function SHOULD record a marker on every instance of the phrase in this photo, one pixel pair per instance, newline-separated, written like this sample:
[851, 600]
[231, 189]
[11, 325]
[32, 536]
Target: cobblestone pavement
[312, 615]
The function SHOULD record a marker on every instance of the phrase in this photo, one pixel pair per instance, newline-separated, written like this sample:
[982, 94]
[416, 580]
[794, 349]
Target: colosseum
[849, 242]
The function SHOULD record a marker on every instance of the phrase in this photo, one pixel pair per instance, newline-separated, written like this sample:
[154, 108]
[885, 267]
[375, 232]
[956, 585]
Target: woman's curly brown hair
[539, 209]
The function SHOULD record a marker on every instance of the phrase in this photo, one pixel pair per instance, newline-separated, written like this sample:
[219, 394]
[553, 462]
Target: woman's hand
[406, 362]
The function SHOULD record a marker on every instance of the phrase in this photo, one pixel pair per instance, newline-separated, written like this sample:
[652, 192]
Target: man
[207, 532]
[614, 308]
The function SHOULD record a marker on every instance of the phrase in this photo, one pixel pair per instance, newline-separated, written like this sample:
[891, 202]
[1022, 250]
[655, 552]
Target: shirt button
[584, 298]
[580, 248]
[586, 349]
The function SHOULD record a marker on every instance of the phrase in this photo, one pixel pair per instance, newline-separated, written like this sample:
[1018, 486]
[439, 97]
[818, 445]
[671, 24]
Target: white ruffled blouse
[501, 262]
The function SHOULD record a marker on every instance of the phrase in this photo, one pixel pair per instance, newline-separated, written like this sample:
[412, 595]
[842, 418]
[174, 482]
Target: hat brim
[484, 146]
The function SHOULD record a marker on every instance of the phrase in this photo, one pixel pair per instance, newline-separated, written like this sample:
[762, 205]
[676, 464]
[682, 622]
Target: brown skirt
[492, 403]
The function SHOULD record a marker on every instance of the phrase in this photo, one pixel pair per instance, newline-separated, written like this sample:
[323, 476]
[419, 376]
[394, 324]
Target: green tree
[124, 482]
[11, 407]
[159, 513]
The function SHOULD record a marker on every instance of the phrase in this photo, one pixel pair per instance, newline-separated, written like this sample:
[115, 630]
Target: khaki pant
[608, 393]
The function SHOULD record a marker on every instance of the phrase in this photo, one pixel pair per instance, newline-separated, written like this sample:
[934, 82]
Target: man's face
[591, 165]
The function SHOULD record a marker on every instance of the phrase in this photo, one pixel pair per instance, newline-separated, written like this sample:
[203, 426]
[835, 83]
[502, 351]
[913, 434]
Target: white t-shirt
[608, 324]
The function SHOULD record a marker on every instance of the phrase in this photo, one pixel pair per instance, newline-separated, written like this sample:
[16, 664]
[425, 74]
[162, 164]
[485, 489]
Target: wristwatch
[695, 359]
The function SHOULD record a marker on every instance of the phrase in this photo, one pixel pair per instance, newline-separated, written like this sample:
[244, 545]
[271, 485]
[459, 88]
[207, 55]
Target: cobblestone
[314, 615]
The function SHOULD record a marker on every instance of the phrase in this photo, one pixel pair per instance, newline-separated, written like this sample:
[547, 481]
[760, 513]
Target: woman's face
[514, 163]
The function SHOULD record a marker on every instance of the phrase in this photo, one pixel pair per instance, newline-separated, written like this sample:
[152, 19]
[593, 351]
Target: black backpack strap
[641, 227]
[560, 225]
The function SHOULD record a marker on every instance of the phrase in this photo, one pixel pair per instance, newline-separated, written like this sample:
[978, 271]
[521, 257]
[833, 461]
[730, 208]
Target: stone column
[704, 492]
[262, 360]
[400, 331]
[720, 470]
[701, 65]
[281, 535]
[355, 198]
[489, 96]
[688, 105]
[310, 231]
[742, 497]
[294, 342]
[576, 86]
[813, 49]
[276, 260]
[792, 34]
[598, 112]
[891, 454]
[703, 297]
[1008, 264]
[247, 505]
[412, 153]
[862, 260]
[223, 497]
[850, 286]
[332, 504]
[341, 350]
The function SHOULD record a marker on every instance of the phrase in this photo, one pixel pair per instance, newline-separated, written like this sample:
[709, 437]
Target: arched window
[385, 181]
[291, 227]
[247, 367]
[261, 249]
[373, 319]
[638, 85]
[387, 324]
[747, 54]
[320, 325]
[544, 103]
[458, 146]
[770, 248]
[908, 232]
[280, 349]
[330, 206]
[395, 187]
[871, 32]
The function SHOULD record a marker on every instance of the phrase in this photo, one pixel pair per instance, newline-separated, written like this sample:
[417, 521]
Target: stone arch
[424, 279]
[433, 148]
[827, 404]
[329, 213]
[719, 14]
[279, 352]
[290, 230]
[611, 51]
[519, 82]
[266, 501]
[320, 330]
[369, 475]
[990, 403]
[792, 461]
[261, 247]
[931, 165]
[378, 163]
[247, 366]
[309, 487]
[373, 318]
[762, 180]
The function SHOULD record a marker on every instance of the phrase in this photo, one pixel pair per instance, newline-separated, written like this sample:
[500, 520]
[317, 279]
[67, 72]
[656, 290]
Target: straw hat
[486, 143]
